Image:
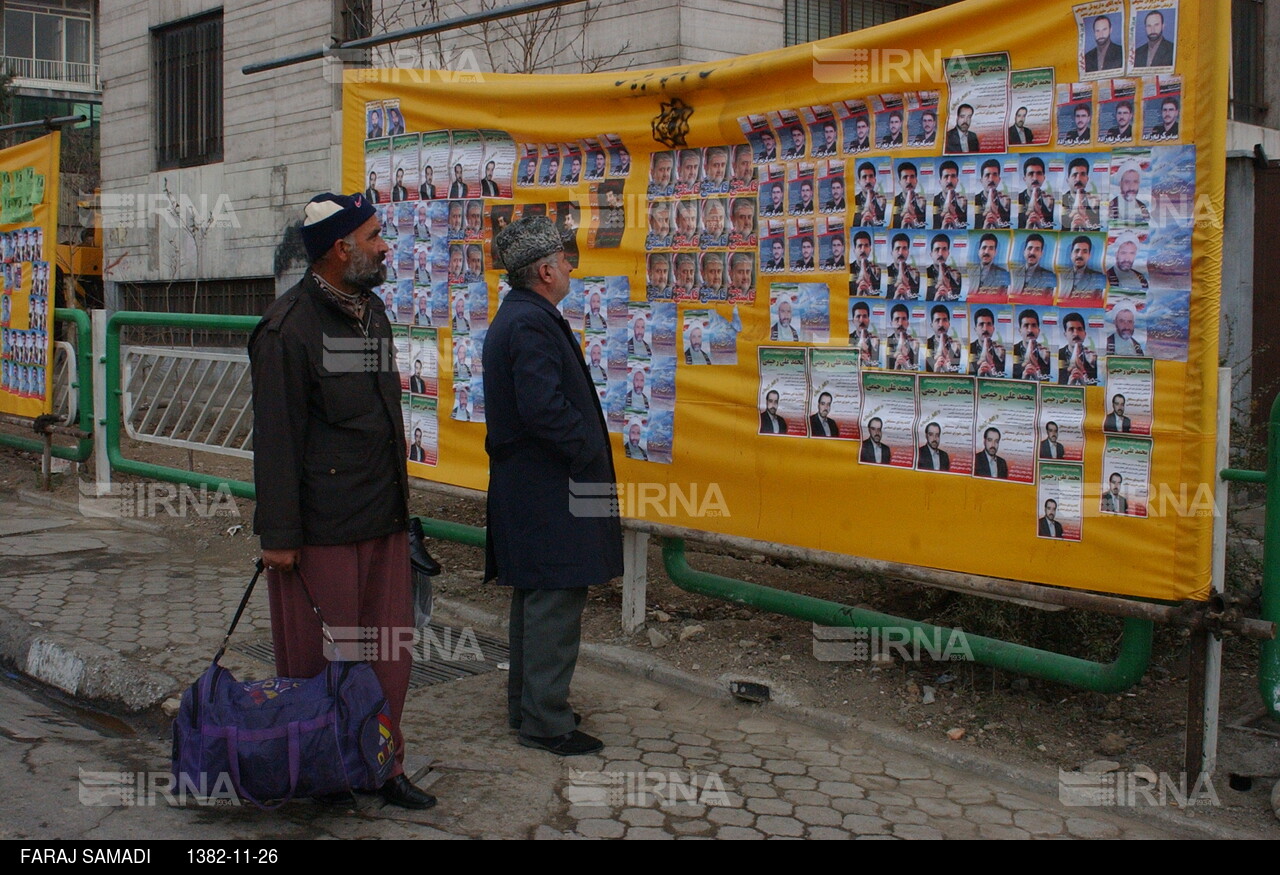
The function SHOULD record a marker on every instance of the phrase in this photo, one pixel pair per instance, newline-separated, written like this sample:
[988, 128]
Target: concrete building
[50, 48]
[205, 167]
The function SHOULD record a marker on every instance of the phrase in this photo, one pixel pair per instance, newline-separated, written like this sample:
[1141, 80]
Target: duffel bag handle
[244, 602]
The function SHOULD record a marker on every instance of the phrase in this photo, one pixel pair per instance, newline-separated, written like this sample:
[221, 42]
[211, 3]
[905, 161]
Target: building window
[1248, 104]
[50, 40]
[188, 95]
[355, 19]
[808, 20]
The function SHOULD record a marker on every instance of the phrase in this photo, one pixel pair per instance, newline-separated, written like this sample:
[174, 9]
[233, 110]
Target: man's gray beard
[364, 273]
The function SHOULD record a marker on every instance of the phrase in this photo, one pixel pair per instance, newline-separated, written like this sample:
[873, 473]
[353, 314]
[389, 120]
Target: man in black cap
[553, 519]
[329, 462]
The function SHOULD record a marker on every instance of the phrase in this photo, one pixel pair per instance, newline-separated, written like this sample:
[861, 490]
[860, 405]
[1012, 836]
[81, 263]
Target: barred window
[1248, 65]
[808, 20]
[188, 95]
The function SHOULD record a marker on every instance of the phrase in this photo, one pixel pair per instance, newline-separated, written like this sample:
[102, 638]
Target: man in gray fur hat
[552, 515]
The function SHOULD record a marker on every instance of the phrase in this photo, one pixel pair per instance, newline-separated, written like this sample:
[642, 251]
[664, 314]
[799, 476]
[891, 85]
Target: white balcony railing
[77, 77]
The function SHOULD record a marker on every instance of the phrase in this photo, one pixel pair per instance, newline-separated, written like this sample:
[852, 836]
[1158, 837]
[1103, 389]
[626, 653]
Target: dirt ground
[1013, 718]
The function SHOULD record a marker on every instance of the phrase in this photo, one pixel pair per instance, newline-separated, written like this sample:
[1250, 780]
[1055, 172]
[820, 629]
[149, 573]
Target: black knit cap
[329, 217]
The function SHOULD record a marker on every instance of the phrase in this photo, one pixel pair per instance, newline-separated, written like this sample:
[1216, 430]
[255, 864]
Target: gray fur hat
[524, 242]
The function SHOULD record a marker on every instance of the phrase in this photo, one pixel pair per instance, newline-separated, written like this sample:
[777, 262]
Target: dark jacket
[328, 433]
[553, 521]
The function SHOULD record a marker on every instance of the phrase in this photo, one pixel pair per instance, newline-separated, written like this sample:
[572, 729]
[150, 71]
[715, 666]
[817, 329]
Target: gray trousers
[544, 630]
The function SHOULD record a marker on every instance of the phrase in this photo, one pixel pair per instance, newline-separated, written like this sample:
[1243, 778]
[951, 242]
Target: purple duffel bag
[281, 738]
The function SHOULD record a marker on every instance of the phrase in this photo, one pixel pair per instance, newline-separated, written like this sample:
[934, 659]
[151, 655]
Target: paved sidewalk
[132, 616]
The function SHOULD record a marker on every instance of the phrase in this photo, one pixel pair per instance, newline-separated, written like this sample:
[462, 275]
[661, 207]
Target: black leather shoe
[570, 744]
[399, 791]
[515, 724]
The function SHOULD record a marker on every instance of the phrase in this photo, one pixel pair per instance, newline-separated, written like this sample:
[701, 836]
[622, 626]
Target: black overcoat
[553, 521]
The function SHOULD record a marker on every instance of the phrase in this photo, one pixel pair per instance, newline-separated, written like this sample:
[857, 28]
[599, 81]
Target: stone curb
[83, 669]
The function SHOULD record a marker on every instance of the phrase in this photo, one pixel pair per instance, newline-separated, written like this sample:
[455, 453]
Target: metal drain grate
[442, 654]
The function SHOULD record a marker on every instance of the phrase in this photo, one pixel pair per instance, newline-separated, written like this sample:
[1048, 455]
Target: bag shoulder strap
[248, 593]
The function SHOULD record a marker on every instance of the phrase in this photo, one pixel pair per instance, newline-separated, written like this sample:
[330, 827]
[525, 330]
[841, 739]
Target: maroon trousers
[365, 584]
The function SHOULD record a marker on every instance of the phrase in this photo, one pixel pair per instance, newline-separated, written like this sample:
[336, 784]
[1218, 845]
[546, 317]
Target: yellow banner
[941, 292]
[28, 239]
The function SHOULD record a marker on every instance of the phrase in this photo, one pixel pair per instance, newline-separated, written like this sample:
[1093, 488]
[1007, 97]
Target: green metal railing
[83, 448]
[1269, 656]
[114, 391]
[1124, 672]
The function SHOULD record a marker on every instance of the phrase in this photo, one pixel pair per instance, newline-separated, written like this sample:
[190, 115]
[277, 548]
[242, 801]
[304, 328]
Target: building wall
[281, 129]
[598, 35]
[279, 136]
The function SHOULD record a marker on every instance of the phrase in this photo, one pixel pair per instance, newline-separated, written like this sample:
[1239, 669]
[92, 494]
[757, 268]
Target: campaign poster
[945, 341]
[977, 100]
[1168, 324]
[404, 357]
[1101, 32]
[784, 322]
[1126, 476]
[889, 123]
[634, 442]
[855, 125]
[466, 159]
[1153, 36]
[1161, 108]
[1126, 323]
[1075, 114]
[374, 126]
[404, 160]
[990, 328]
[424, 354]
[639, 339]
[888, 420]
[789, 129]
[377, 169]
[659, 436]
[1081, 282]
[1084, 184]
[424, 439]
[1030, 120]
[1060, 501]
[873, 182]
[662, 383]
[901, 342]
[698, 349]
[835, 394]
[392, 117]
[988, 273]
[944, 432]
[1060, 428]
[783, 391]
[922, 118]
[866, 318]
[1130, 395]
[662, 327]
[499, 164]
[1004, 434]
[1117, 112]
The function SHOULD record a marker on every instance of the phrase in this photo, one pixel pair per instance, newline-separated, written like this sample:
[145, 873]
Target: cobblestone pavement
[676, 764]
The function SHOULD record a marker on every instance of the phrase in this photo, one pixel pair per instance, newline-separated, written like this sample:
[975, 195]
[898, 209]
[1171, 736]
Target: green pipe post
[1269, 657]
[1124, 672]
[238, 488]
[443, 530]
[83, 448]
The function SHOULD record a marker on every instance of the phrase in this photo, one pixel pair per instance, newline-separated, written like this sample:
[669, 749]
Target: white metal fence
[191, 398]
